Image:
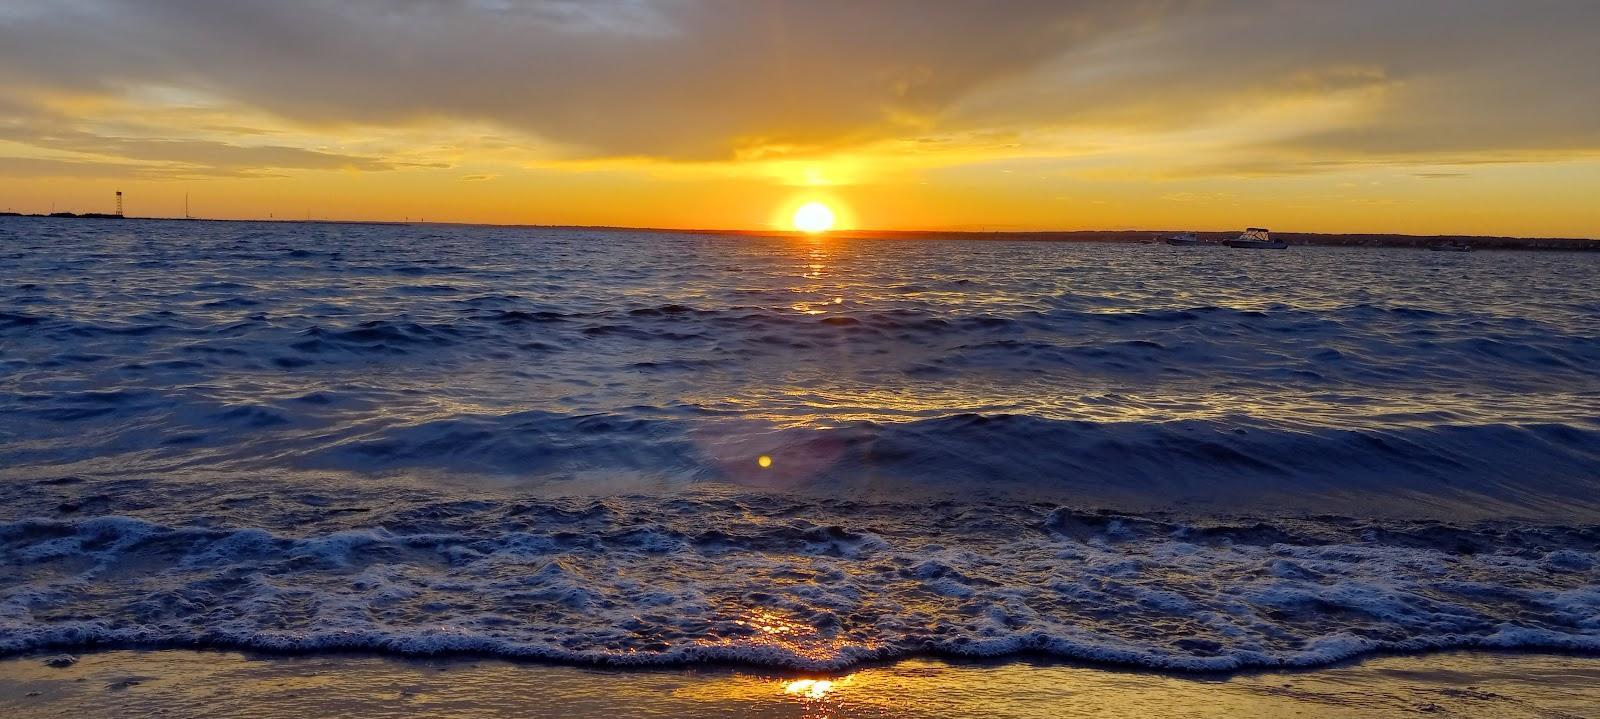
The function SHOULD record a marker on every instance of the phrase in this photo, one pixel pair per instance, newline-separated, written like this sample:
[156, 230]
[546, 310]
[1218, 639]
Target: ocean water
[645, 448]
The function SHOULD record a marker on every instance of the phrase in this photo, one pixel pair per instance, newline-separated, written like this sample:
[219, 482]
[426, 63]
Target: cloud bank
[1245, 87]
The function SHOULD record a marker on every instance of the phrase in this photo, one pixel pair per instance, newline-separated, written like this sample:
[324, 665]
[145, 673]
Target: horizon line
[856, 233]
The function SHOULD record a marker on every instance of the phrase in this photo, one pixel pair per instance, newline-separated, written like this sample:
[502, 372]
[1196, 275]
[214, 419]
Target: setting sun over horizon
[813, 217]
[1052, 116]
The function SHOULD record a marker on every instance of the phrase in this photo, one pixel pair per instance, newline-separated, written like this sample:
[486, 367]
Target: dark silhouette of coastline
[70, 215]
[1214, 239]
[1294, 239]
[110, 216]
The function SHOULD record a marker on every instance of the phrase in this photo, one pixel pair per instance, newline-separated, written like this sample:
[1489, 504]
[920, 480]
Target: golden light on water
[813, 217]
[772, 623]
[808, 688]
[770, 631]
[293, 687]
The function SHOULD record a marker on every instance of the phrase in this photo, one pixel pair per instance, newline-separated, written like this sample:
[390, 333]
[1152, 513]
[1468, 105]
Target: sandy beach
[175, 683]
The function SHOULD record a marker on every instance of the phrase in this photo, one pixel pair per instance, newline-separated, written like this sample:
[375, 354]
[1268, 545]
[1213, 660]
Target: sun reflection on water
[808, 688]
[765, 630]
[820, 698]
[774, 624]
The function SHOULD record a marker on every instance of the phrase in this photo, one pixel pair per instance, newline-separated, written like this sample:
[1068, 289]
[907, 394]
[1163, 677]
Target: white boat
[1186, 239]
[1256, 238]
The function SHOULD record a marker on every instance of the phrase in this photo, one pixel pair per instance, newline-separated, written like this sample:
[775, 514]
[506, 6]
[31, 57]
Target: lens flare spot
[764, 461]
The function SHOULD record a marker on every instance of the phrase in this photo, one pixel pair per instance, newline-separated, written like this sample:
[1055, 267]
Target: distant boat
[1451, 246]
[1256, 238]
[1186, 239]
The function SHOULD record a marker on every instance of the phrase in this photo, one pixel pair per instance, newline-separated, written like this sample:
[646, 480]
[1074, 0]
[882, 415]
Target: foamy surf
[642, 581]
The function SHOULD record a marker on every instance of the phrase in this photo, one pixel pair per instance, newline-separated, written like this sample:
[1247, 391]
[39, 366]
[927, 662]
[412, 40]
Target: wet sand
[175, 683]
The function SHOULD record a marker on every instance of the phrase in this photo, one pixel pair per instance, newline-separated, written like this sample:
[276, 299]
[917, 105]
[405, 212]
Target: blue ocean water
[639, 448]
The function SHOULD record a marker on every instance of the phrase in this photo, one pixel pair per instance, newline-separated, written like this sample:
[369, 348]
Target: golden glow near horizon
[813, 217]
[970, 118]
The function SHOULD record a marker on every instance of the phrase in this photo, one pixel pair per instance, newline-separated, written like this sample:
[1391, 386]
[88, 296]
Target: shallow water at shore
[228, 684]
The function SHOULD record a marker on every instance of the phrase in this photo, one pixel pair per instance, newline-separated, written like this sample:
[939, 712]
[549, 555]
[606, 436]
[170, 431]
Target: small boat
[1186, 239]
[1451, 246]
[1256, 238]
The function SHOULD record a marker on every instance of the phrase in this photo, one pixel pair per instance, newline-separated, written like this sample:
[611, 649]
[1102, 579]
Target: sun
[813, 217]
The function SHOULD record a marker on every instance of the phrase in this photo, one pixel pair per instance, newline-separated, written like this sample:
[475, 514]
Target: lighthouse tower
[119, 203]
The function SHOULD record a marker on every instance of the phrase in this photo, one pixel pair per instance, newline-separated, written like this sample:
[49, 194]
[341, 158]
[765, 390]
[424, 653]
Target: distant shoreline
[1477, 242]
[1324, 239]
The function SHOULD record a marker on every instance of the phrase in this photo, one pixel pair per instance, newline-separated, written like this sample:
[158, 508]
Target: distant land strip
[1477, 242]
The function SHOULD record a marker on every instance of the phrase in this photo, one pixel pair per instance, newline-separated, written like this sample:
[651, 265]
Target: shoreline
[721, 661]
[1028, 657]
[230, 683]
[1151, 236]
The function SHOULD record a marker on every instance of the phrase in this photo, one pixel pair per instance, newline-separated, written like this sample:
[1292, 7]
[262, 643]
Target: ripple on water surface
[634, 448]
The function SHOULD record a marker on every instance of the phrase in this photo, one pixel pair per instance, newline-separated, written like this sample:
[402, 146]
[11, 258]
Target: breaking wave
[634, 581]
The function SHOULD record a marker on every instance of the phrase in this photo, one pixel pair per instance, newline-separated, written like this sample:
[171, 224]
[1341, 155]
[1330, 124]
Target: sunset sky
[1435, 116]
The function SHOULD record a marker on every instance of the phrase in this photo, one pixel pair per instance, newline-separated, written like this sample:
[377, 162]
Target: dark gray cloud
[687, 79]
[1436, 80]
[670, 79]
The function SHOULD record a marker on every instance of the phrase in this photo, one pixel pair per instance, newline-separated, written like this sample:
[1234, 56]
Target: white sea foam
[629, 583]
